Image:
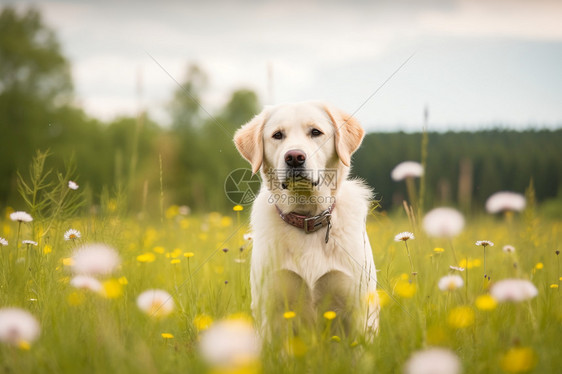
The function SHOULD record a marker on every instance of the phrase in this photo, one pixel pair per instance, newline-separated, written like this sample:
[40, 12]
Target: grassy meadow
[202, 261]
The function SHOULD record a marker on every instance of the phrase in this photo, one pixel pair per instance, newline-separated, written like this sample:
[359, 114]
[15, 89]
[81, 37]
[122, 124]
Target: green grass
[84, 332]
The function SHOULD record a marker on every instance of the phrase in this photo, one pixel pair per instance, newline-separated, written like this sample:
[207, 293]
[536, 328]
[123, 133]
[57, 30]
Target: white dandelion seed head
[72, 234]
[404, 236]
[505, 201]
[514, 290]
[433, 361]
[230, 343]
[3, 242]
[407, 169]
[184, 210]
[508, 248]
[450, 282]
[443, 222]
[18, 326]
[457, 268]
[86, 282]
[484, 243]
[94, 259]
[21, 217]
[156, 303]
[30, 242]
[73, 185]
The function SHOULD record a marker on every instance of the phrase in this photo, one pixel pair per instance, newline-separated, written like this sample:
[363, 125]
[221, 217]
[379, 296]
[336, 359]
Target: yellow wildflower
[47, 249]
[539, 266]
[461, 317]
[123, 281]
[167, 335]
[553, 286]
[330, 315]
[159, 249]
[175, 261]
[289, 314]
[24, 346]
[112, 289]
[438, 250]
[518, 360]
[405, 289]
[146, 257]
[485, 302]
[238, 208]
[188, 254]
[202, 322]
[68, 261]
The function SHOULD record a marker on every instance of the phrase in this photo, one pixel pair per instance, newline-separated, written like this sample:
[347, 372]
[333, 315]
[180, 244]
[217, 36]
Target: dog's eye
[315, 132]
[278, 135]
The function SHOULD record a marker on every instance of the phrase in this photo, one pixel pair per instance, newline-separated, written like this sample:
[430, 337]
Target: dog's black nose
[295, 158]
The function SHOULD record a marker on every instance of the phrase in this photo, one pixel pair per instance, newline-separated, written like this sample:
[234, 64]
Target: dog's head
[298, 141]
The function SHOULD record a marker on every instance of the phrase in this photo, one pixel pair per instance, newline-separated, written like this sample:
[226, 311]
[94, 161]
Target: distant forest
[490, 161]
[187, 162]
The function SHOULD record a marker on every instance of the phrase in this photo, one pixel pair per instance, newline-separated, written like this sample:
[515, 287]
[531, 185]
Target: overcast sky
[474, 63]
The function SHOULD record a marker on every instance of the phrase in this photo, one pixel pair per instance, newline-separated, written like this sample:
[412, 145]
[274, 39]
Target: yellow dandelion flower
[289, 314]
[68, 261]
[238, 208]
[159, 249]
[202, 322]
[553, 286]
[518, 360]
[486, 302]
[539, 266]
[438, 250]
[123, 281]
[188, 254]
[330, 315]
[24, 346]
[405, 289]
[167, 335]
[47, 249]
[112, 289]
[461, 317]
[175, 261]
[175, 253]
[146, 257]
[404, 276]
[335, 338]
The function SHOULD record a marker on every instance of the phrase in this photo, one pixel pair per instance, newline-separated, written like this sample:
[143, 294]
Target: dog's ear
[249, 142]
[348, 133]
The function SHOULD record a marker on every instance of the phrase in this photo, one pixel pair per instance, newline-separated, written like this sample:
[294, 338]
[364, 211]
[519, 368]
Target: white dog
[311, 252]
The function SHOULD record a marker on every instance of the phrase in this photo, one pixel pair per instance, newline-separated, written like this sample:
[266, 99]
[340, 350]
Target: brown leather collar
[309, 223]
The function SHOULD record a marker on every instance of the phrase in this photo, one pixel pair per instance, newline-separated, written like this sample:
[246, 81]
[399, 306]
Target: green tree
[34, 82]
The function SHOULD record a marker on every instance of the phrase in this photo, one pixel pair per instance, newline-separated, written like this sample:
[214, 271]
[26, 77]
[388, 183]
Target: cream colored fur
[280, 247]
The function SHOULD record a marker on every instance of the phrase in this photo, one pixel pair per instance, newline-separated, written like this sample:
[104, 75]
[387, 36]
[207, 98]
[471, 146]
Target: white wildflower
[443, 222]
[86, 282]
[156, 303]
[407, 169]
[433, 361]
[403, 236]
[3, 242]
[93, 259]
[508, 248]
[18, 326]
[21, 217]
[505, 201]
[513, 290]
[450, 283]
[232, 343]
[72, 235]
[72, 185]
[484, 243]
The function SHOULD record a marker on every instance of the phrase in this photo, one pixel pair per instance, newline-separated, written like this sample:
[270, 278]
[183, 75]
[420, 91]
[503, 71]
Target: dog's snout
[295, 158]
